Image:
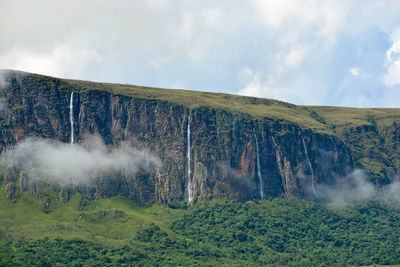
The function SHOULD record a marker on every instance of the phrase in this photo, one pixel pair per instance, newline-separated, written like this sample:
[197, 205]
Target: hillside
[257, 233]
[375, 144]
[99, 174]
[204, 145]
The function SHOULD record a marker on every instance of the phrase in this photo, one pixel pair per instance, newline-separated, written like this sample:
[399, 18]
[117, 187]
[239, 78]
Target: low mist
[240, 182]
[357, 187]
[52, 160]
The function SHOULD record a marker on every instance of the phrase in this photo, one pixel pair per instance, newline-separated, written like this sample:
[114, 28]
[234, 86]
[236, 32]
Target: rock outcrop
[223, 145]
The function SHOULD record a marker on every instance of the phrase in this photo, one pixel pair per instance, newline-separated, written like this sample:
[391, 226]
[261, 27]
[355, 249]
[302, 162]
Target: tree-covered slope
[90, 200]
[255, 233]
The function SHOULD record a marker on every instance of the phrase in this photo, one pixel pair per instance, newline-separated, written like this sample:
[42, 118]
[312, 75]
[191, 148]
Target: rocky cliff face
[294, 160]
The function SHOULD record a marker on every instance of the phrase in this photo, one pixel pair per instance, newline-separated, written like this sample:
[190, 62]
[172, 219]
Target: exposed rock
[23, 182]
[65, 193]
[46, 202]
[10, 190]
[39, 106]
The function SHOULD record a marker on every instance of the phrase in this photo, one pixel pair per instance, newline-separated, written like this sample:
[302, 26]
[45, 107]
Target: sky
[309, 52]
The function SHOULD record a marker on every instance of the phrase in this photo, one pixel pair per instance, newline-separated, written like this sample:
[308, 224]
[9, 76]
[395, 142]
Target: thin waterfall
[258, 166]
[189, 171]
[309, 165]
[71, 116]
[71, 121]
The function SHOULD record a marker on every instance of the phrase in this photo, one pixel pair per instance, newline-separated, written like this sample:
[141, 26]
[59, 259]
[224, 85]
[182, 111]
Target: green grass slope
[109, 221]
[271, 232]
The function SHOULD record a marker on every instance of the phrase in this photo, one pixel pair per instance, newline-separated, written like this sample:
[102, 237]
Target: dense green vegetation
[278, 231]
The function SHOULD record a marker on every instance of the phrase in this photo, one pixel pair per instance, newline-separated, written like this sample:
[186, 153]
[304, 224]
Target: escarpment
[235, 152]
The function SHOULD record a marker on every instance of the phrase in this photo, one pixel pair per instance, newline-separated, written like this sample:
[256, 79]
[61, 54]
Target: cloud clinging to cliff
[356, 186]
[52, 160]
[297, 51]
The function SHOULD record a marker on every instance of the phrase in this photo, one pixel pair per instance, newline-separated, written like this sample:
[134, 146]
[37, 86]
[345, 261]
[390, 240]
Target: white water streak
[189, 171]
[258, 166]
[310, 166]
[71, 116]
[71, 121]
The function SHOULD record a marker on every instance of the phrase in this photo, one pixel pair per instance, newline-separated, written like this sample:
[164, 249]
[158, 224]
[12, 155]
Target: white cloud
[196, 28]
[360, 73]
[297, 50]
[73, 40]
[357, 186]
[257, 89]
[259, 85]
[295, 56]
[355, 71]
[310, 37]
[392, 77]
[304, 32]
[52, 160]
[62, 60]
[292, 18]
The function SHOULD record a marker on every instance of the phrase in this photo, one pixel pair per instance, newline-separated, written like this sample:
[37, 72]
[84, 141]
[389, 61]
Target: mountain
[204, 145]
[86, 167]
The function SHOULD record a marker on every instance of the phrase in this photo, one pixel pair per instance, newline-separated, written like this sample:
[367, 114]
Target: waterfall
[189, 171]
[71, 116]
[310, 166]
[71, 121]
[258, 166]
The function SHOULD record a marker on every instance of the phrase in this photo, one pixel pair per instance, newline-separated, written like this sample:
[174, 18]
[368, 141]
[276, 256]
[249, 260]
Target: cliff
[299, 147]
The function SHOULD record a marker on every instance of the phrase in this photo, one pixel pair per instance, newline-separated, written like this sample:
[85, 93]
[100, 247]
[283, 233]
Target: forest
[271, 232]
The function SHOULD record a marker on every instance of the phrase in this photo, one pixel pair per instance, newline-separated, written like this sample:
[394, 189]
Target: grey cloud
[69, 38]
[244, 184]
[391, 191]
[357, 187]
[290, 50]
[52, 160]
[353, 187]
